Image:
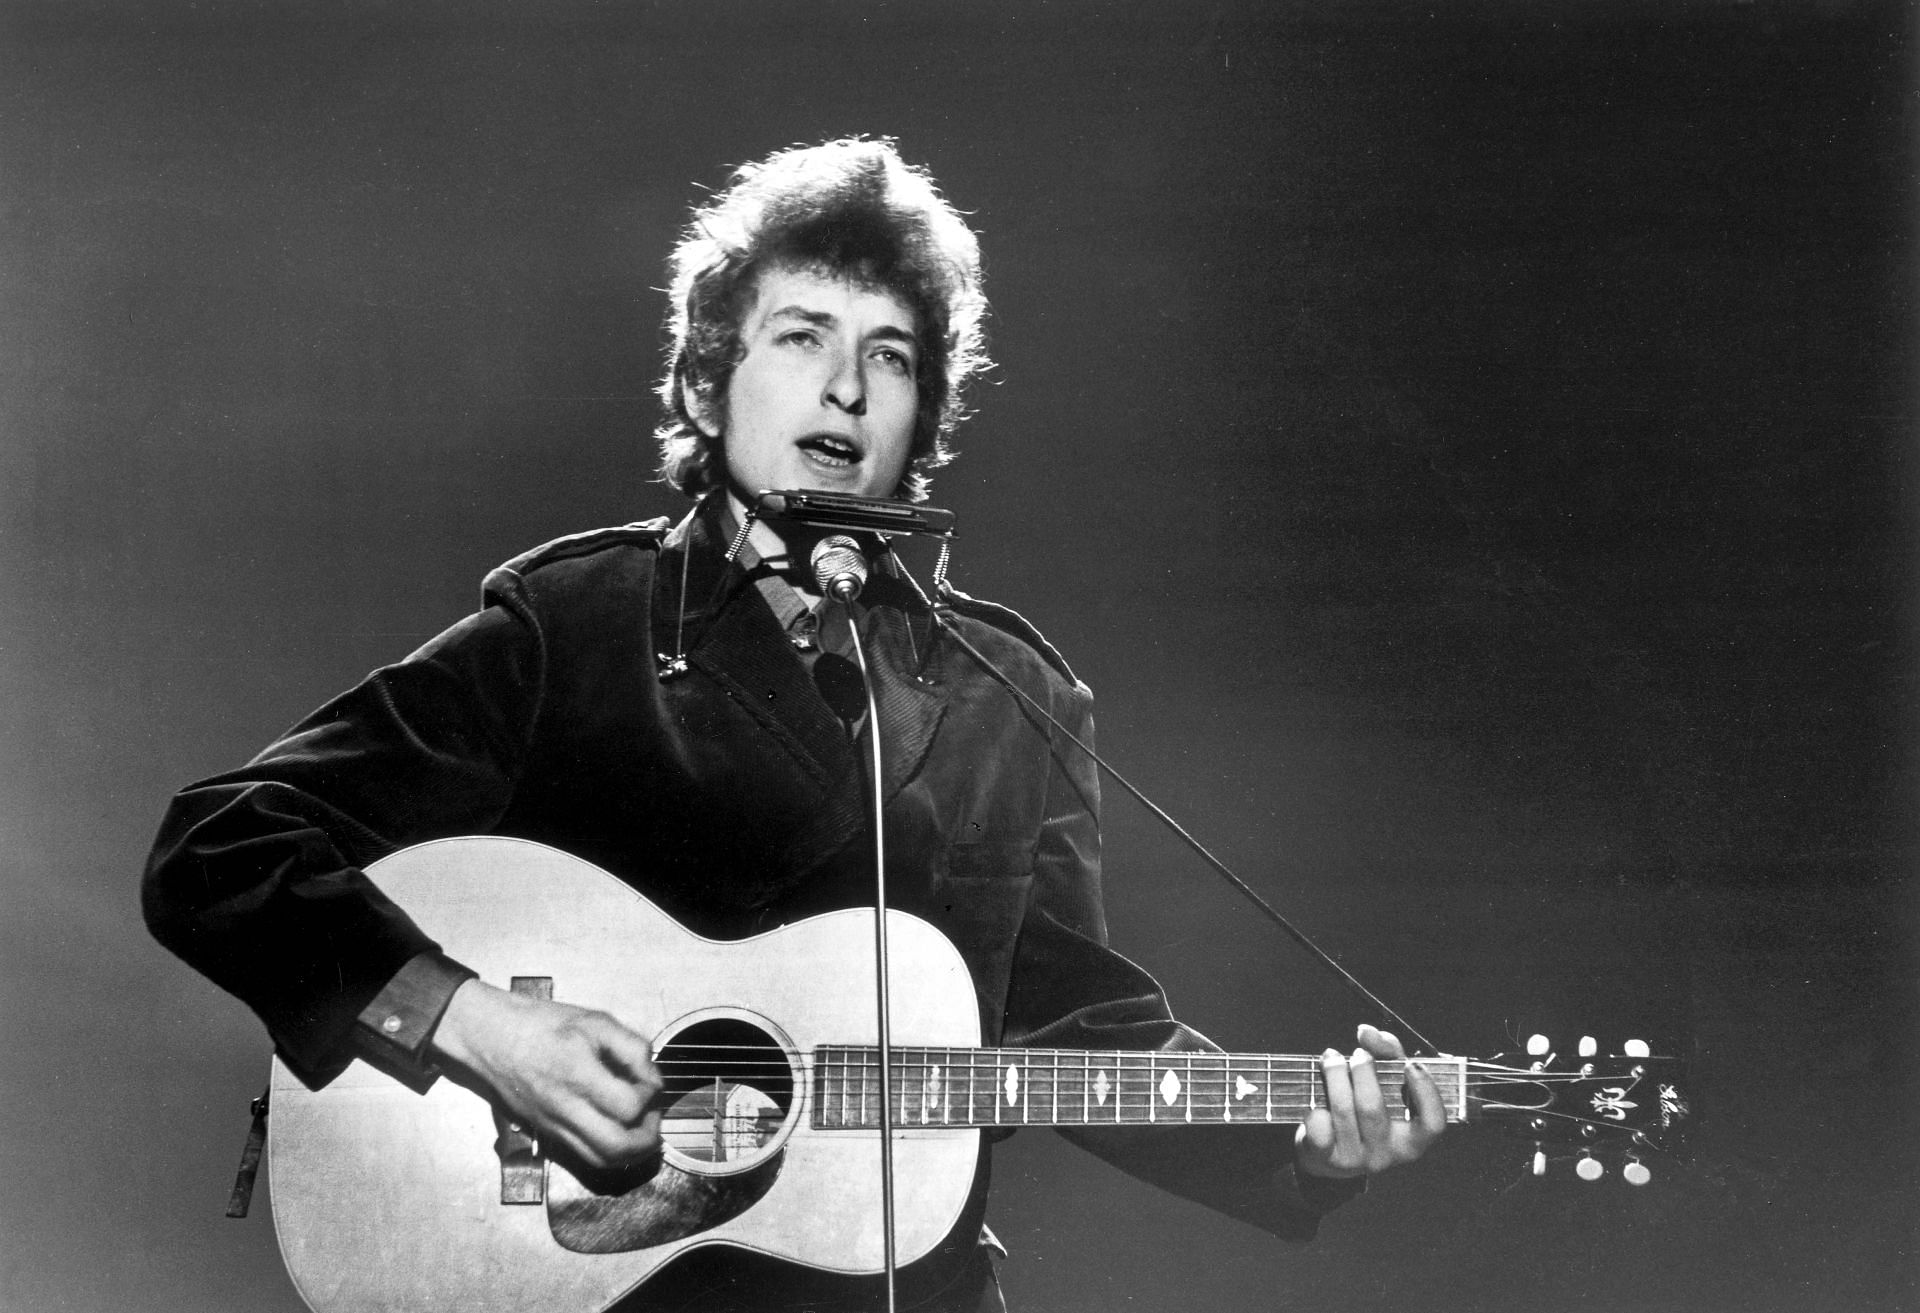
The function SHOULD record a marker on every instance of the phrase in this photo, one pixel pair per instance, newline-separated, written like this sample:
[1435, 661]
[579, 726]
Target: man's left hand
[1355, 1135]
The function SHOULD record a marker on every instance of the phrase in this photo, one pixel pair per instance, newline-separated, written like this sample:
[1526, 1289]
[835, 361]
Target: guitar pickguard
[672, 1205]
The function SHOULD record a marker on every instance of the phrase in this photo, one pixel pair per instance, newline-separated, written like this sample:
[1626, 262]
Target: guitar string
[1489, 1091]
[1203, 1066]
[1205, 1071]
[1130, 1054]
[1208, 1076]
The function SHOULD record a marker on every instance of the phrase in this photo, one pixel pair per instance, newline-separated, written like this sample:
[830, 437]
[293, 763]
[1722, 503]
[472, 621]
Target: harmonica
[839, 510]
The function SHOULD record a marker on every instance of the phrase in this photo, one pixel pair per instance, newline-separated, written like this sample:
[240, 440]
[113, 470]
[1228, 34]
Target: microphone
[839, 567]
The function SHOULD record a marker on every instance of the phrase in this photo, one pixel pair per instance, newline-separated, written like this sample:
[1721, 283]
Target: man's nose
[847, 387]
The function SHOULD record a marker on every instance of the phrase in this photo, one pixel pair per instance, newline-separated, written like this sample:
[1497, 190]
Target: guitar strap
[242, 1197]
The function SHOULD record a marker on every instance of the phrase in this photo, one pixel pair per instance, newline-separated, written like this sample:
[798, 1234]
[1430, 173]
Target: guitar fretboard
[1077, 1087]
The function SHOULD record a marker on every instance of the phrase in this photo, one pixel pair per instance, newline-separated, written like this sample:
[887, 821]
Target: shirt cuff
[393, 1032]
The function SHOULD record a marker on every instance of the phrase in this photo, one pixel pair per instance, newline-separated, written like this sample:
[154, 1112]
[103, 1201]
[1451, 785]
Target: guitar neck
[1081, 1087]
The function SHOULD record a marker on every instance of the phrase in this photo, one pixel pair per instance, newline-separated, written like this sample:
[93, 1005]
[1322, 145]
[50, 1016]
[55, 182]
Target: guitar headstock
[1622, 1107]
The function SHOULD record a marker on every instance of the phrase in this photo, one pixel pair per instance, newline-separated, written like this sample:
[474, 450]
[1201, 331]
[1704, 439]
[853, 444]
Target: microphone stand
[843, 586]
[880, 967]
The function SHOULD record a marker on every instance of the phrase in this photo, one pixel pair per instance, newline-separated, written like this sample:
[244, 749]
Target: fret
[843, 1082]
[1236, 1089]
[822, 1085]
[1103, 1089]
[1216, 1088]
[843, 1079]
[908, 1079]
[1165, 1091]
[1072, 1082]
[1039, 1087]
[828, 1089]
[1134, 1095]
[1013, 1084]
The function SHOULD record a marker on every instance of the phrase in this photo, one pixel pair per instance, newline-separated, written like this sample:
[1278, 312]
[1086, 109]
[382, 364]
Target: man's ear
[700, 409]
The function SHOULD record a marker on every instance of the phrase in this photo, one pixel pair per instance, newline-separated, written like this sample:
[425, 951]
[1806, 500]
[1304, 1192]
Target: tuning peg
[1636, 1048]
[1588, 1046]
[1540, 1049]
[1636, 1172]
[1539, 1162]
[1589, 1168]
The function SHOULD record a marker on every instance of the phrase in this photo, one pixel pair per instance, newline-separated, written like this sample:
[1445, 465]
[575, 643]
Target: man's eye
[800, 337]
[894, 359]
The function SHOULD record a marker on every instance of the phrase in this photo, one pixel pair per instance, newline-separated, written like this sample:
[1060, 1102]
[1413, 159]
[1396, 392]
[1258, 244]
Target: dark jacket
[730, 795]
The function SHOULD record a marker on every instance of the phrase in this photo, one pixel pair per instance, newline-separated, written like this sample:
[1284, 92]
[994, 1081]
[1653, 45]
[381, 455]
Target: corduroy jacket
[730, 794]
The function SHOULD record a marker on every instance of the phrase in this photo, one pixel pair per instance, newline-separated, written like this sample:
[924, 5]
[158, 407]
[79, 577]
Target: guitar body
[387, 1200]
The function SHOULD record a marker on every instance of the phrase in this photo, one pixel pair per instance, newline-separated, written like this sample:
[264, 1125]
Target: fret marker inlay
[1169, 1087]
[1100, 1088]
[1013, 1085]
[1242, 1087]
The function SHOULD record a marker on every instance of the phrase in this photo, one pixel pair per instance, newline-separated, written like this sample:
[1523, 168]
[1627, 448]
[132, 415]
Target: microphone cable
[1299, 936]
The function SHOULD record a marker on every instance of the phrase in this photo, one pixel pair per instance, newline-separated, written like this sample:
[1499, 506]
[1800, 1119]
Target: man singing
[665, 702]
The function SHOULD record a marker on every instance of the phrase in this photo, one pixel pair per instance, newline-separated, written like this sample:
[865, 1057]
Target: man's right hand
[578, 1079]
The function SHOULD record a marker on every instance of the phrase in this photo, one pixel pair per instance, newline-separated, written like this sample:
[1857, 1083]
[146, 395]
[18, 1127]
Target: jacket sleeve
[256, 878]
[1070, 990]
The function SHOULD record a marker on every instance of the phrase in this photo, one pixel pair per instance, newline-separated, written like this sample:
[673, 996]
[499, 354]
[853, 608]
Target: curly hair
[850, 207]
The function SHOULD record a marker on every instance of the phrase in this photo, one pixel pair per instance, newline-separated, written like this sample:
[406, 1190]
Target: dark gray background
[1467, 456]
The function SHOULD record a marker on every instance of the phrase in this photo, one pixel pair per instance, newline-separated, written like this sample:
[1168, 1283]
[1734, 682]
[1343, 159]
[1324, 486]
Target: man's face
[824, 396]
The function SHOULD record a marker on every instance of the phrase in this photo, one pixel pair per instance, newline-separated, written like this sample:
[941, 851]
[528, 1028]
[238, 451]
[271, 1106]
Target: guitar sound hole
[728, 1093]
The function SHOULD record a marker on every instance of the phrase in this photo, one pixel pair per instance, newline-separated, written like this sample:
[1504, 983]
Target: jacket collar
[729, 635]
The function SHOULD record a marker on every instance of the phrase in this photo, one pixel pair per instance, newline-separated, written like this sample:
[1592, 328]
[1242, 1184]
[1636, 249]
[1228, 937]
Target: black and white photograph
[1055, 656]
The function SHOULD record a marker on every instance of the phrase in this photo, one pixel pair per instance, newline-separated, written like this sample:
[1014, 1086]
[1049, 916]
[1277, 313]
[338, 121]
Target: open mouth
[830, 450]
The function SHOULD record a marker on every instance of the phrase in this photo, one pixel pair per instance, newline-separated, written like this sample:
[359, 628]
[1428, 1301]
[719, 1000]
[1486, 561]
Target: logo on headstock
[1613, 1102]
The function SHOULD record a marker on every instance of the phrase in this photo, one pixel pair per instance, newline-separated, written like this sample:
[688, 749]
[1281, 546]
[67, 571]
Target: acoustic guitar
[386, 1200]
